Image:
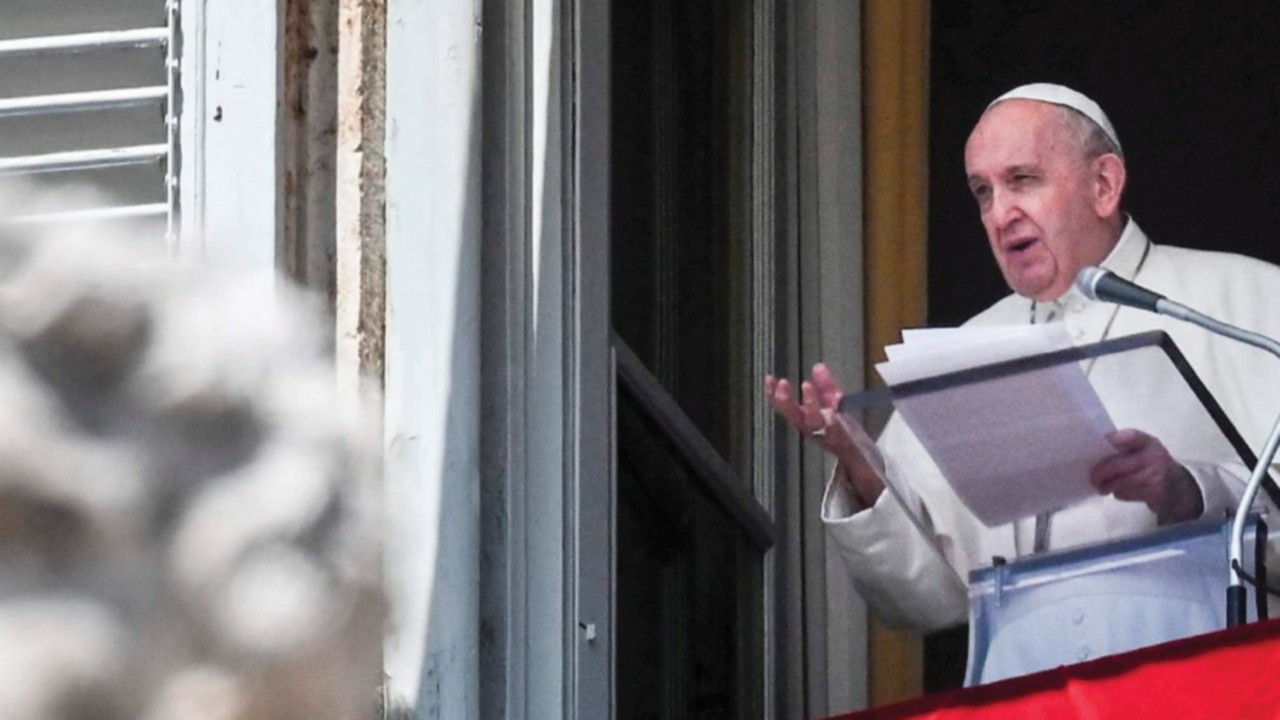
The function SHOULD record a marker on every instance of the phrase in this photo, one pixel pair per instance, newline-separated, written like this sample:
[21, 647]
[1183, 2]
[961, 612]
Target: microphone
[1098, 284]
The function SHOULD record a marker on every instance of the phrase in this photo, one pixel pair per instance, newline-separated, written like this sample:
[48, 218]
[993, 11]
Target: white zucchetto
[1066, 97]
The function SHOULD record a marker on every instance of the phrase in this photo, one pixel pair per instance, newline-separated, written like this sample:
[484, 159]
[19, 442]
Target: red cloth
[1234, 673]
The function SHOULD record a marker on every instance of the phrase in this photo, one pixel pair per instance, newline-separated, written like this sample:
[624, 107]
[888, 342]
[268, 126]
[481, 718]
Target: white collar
[1125, 260]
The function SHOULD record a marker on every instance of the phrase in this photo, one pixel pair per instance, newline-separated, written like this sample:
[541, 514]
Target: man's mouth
[1020, 245]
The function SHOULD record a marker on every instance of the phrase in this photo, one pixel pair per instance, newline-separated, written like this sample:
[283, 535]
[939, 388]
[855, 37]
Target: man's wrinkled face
[1037, 196]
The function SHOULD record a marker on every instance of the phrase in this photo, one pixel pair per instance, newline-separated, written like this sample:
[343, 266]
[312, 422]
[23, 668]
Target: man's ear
[1109, 178]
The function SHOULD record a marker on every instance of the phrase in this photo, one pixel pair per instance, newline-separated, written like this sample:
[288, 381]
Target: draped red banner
[1233, 673]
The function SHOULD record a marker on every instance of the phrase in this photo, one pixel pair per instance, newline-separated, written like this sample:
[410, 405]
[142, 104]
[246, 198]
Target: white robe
[905, 579]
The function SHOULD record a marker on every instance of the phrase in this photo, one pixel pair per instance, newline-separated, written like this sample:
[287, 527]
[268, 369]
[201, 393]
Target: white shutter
[88, 96]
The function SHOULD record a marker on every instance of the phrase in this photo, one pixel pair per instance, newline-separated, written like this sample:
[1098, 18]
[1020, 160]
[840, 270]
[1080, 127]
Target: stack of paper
[1013, 445]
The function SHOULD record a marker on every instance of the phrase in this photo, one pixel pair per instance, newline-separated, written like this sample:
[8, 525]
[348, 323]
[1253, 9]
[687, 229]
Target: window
[692, 536]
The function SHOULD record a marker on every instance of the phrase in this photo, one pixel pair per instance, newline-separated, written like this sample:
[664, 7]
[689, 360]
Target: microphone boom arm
[1236, 601]
[1099, 284]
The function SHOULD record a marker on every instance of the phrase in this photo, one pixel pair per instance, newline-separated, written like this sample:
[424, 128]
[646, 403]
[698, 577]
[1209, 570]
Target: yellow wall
[895, 100]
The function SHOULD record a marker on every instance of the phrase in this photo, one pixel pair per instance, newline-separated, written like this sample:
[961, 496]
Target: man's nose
[1004, 208]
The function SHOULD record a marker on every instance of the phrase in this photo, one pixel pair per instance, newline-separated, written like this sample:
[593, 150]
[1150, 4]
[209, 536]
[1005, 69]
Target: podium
[1159, 586]
[1107, 594]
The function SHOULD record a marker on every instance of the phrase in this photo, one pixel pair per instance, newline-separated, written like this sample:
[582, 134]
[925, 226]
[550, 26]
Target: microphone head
[1087, 280]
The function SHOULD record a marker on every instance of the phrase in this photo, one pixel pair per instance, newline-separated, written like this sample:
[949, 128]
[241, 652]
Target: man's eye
[981, 193]
[1022, 178]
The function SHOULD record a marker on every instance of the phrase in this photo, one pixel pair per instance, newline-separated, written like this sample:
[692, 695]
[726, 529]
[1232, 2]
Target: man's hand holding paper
[1143, 471]
[1019, 445]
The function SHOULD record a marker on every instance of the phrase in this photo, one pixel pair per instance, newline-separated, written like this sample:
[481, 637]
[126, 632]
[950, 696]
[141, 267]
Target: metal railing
[131, 212]
[83, 101]
[85, 42]
[164, 154]
[83, 160]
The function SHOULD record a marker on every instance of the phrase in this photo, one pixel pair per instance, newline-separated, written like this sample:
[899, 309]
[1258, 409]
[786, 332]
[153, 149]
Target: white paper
[927, 353]
[1014, 446]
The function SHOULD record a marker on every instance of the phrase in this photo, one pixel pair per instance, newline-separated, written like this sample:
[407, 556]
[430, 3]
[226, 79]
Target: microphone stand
[1236, 594]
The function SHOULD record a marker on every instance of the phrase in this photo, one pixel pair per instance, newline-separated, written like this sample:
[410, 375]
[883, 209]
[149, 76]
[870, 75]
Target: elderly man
[1046, 169]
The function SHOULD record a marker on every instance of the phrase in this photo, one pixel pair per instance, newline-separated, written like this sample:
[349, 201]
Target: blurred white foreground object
[184, 529]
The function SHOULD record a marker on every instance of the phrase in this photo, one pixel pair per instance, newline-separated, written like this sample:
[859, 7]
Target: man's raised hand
[815, 415]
